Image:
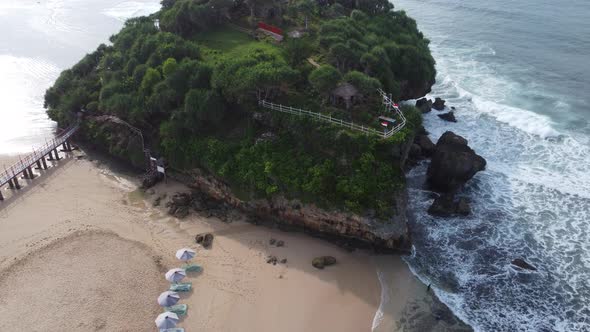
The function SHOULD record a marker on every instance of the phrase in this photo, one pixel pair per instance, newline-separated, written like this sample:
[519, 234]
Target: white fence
[350, 125]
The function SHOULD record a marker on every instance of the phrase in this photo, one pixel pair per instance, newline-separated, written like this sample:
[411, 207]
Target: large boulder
[439, 104]
[424, 105]
[453, 163]
[446, 206]
[426, 146]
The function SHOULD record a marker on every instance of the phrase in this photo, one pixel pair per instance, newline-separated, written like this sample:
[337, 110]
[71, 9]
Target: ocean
[40, 39]
[518, 73]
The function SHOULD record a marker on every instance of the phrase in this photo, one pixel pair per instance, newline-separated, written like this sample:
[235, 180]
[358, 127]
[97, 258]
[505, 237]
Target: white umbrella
[175, 275]
[168, 299]
[185, 254]
[167, 320]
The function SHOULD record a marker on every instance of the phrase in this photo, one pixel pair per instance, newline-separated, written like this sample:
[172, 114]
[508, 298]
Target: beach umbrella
[166, 320]
[185, 254]
[168, 299]
[175, 275]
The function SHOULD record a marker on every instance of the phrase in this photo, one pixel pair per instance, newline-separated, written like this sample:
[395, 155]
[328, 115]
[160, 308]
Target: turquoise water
[519, 75]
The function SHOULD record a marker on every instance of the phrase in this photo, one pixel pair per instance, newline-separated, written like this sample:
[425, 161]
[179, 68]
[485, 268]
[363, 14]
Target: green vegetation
[192, 86]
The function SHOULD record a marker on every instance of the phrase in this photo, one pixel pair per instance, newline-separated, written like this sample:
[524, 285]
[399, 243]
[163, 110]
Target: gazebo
[346, 94]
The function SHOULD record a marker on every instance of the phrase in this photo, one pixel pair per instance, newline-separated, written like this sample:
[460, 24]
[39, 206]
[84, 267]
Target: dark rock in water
[523, 264]
[272, 241]
[272, 260]
[415, 151]
[284, 261]
[453, 163]
[157, 201]
[443, 206]
[280, 243]
[439, 104]
[450, 137]
[450, 117]
[424, 105]
[425, 144]
[453, 108]
[321, 262]
[463, 208]
[446, 206]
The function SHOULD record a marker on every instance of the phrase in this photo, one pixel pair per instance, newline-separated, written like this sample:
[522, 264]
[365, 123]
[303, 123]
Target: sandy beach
[81, 248]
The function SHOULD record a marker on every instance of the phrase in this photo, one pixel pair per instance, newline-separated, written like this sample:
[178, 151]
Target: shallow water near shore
[39, 40]
[517, 74]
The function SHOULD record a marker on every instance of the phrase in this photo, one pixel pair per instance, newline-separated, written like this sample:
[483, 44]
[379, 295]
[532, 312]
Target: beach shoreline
[81, 196]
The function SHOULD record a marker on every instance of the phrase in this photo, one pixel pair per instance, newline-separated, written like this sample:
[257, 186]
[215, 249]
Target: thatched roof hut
[345, 93]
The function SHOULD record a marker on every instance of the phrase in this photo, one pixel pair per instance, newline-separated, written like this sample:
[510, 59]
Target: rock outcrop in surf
[453, 164]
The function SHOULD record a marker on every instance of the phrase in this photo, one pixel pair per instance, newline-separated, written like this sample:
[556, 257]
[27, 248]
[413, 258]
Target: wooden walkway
[389, 104]
[24, 166]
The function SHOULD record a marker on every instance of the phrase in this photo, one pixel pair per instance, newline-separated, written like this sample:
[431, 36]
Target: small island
[195, 78]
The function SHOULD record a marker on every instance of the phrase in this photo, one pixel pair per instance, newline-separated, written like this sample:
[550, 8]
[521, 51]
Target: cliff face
[346, 227]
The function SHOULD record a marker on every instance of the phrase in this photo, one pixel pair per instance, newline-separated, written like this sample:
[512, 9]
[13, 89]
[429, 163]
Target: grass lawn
[223, 39]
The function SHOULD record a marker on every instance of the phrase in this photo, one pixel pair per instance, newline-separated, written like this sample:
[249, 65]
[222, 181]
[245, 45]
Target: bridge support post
[38, 164]
[31, 174]
[10, 184]
[1, 197]
[50, 156]
[44, 163]
[16, 184]
[56, 154]
[66, 147]
[25, 174]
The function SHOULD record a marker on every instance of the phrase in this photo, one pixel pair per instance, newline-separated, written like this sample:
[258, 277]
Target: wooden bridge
[389, 105]
[37, 158]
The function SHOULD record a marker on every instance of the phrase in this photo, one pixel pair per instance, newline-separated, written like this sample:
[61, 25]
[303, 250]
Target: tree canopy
[195, 100]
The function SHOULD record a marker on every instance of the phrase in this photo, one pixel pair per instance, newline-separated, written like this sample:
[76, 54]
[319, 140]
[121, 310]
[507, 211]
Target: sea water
[39, 39]
[518, 74]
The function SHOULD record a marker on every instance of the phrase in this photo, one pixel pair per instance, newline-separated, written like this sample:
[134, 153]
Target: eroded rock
[453, 163]
[424, 105]
[439, 104]
[446, 206]
[449, 117]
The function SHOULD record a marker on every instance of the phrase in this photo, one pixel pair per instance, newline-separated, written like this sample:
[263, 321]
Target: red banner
[268, 27]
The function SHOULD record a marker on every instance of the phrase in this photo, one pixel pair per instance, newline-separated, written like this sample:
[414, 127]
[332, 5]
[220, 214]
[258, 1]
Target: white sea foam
[129, 9]
[384, 299]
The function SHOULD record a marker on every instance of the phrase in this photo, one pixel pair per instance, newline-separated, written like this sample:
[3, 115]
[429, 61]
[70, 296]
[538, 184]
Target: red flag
[384, 124]
[396, 105]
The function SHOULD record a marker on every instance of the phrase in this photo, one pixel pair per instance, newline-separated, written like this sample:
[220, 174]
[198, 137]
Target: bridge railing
[346, 124]
[36, 155]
